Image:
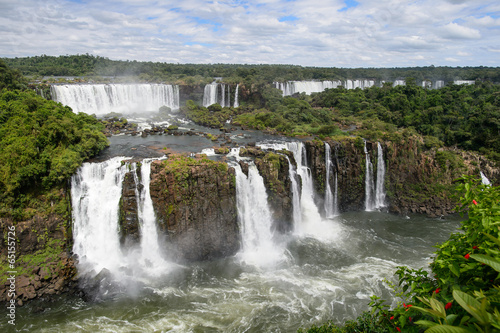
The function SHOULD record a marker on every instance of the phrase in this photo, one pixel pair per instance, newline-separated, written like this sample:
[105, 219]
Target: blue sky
[332, 33]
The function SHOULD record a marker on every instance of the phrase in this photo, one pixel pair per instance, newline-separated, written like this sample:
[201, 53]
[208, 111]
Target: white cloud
[314, 33]
[456, 31]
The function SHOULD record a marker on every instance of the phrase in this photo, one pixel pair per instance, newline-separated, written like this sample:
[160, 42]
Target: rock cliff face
[43, 265]
[195, 206]
[416, 181]
[129, 220]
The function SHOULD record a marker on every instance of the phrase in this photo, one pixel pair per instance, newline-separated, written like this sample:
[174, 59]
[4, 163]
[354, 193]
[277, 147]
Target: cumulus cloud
[456, 31]
[310, 32]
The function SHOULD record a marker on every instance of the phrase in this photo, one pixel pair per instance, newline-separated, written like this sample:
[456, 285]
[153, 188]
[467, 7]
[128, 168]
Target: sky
[323, 33]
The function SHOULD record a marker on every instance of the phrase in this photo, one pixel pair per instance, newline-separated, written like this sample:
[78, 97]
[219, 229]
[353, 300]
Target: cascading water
[484, 179]
[297, 211]
[369, 202]
[210, 94]
[101, 99]
[150, 248]
[329, 199]
[258, 246]
[96, 191]
[236, 102]
[95, 194]
[380, 187]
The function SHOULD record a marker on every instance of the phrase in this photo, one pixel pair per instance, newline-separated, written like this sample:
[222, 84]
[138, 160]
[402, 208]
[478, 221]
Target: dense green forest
[466, 116]
[42, 143]
[89, 65]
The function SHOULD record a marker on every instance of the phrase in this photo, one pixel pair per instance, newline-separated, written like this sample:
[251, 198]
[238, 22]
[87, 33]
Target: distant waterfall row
[220, 93]
[101, 99]
[308, 87]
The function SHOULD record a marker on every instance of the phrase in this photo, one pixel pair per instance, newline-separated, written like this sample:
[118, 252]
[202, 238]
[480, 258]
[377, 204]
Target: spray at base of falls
[484, 179]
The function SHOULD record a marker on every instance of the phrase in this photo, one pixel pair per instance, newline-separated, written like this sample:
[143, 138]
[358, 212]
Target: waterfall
[150, 248]
[210, 94]
[311, 218]
[255, 218]
[380, 190]
[329, 204]
[297, 211]
[228, 102]
[101, 99]
[96, 190]
[336, 196]
[369, 203]
[484, 179]
[223, 97]
[236, 103]
[95, 194]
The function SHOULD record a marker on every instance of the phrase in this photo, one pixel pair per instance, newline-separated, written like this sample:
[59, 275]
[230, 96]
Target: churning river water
[313, 280]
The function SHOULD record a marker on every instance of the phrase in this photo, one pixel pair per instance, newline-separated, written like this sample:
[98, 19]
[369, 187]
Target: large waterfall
[101, 99]
[258, 246]
[95, 194]
[96, 190]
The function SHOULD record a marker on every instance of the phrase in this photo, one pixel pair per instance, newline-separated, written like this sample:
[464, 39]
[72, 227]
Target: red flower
[409, 318]
[467, 256]
[447, 306]
[391, 318]
[437, 290]
[475, 247]
[399, 330]
[474, 202]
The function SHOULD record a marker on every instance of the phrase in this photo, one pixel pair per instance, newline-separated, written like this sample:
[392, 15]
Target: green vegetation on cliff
[42, 143]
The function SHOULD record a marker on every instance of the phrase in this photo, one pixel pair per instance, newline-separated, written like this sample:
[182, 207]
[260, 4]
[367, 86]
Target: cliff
[416, 180]
[195, 205]
[43, 265]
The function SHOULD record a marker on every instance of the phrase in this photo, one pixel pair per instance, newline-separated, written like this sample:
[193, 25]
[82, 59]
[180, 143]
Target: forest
[90, 65]
[42, 143]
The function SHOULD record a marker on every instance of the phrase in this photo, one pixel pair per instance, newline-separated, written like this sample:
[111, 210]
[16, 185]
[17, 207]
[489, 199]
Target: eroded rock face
[274, 169]
[129, 220]
[195, 206]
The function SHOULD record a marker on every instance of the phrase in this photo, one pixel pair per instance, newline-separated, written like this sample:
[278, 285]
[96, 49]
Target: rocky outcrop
[129, 219]
[348, 161]
[416, 181]
[43, 265]
[195, 206]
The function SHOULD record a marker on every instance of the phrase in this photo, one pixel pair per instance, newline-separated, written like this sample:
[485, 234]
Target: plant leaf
[492, 262]
[447, 329]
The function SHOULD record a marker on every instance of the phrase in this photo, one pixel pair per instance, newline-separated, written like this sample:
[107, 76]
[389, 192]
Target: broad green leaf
[455, 269]
[447, 329]
[450, 319]
[426, 323]
[492, 262]
[431, 312]
[470, 304]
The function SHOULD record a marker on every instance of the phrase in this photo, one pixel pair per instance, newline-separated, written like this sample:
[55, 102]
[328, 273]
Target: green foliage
[42, 143]
[10, 79]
